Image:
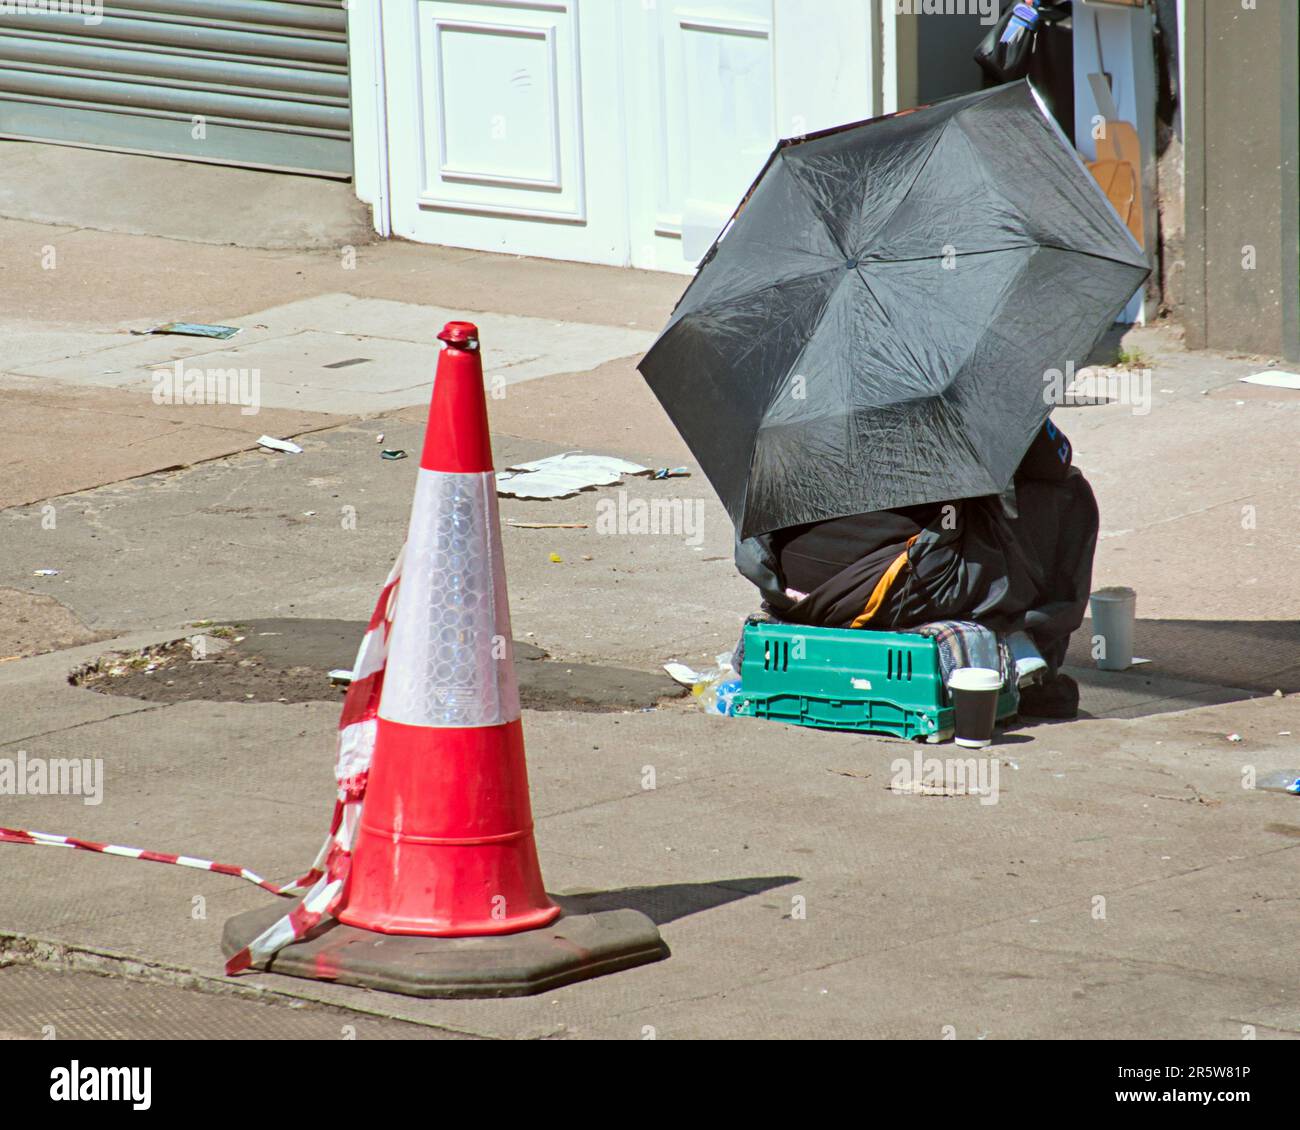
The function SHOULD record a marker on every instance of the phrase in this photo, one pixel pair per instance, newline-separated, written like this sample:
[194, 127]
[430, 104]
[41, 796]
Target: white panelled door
[502, 133]
[611, 131]
[701, 121]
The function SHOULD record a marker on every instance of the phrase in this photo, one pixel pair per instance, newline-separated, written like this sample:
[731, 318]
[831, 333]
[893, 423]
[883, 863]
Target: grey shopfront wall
[261, 83]
[1242, 176]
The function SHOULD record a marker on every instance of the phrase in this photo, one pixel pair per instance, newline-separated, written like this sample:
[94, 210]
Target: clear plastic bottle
[719, 695]
[1281, 781]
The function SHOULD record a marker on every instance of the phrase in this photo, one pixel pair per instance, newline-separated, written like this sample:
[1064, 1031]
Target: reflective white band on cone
[450, 657]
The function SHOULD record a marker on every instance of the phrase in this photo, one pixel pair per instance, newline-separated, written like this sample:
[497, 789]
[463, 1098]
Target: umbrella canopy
[874, 327]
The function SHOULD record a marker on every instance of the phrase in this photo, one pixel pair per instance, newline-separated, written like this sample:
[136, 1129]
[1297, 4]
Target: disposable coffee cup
[974, 692]
[1113, 613]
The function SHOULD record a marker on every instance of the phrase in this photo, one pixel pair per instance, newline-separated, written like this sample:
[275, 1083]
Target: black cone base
[573, 948]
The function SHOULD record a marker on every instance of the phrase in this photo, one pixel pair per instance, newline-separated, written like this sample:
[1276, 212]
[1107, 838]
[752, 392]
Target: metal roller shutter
[262, 83]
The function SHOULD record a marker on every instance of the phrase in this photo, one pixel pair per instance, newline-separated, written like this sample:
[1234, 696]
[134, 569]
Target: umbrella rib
[819, 212]
[916, 361]
[958, 255]
[1077, 157]
[753, 450]
[880, 232]
[1011, 204]
[1093, 255]
[991, 330]
[823, 214]
[730, 300]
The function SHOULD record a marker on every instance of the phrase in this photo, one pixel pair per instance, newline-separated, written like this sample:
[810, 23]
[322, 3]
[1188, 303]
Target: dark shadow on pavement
[1253, 655]
[672, 900]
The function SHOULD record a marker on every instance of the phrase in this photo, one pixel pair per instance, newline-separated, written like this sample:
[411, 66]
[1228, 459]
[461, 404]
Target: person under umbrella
[860, 368]
[1022, 565]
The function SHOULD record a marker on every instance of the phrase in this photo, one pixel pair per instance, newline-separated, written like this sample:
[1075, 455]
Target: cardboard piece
[1118, 167]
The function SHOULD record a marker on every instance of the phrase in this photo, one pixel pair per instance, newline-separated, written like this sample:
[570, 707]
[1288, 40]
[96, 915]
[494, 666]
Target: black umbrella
[874, 327]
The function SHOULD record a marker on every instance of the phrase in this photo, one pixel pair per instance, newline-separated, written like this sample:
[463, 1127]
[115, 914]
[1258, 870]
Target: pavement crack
[88, 722]
[603, 801]
[1141, 964]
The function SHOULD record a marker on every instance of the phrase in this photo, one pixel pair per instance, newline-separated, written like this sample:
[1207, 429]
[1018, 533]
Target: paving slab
[347, 355]
[1258, 655]
[1140, 691]
[37, 344]
[33, 622]
[974, 988]
[1243, 579]
[534, 346]
[39, 698]
[56, 439]
[105, 281]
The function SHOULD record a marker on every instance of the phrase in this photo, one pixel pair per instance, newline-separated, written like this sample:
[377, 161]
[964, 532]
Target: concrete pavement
[378, 354]
[182, 200]
[799, 894]
[1123, 884]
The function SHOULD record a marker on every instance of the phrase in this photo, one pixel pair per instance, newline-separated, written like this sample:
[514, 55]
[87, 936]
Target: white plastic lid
[975, 679]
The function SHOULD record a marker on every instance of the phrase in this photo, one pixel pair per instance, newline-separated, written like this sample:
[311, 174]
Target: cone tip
[456, 439]
[460, 334]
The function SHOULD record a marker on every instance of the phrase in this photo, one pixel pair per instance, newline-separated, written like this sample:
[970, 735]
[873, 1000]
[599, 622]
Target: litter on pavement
[285, 445]
[45, 573]
[1286, 781]
[716, 688]
[686, 676]
[558, 476]
[392, 454]
[926, 788]
[1274, 378]
[192, 329]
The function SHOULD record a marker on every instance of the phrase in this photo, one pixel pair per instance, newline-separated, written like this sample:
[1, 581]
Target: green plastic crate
[845, 679]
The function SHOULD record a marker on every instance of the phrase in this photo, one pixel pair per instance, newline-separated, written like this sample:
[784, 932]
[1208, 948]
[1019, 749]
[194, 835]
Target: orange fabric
[878, 594]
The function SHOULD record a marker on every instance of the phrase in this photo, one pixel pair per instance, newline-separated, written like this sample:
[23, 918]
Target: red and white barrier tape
[322, 886]
[46, 839]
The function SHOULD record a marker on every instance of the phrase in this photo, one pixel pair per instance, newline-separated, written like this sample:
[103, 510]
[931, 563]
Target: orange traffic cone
[443, 895]
[445, 844]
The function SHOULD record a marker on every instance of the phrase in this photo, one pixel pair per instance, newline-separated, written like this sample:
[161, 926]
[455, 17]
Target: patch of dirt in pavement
[32, 623]
[289, 660]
